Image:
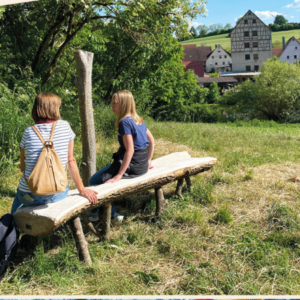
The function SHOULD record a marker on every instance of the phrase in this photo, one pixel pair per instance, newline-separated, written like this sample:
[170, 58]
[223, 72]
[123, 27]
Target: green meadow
[224, 39]
[236, 232]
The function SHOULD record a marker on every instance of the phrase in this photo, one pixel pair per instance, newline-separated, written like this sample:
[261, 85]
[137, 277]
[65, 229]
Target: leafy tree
[214, 93]
[280, 20]
[228, 26]
[275, 93]
[202, 30]
[214, 74]
[36, 35]
[193, 31]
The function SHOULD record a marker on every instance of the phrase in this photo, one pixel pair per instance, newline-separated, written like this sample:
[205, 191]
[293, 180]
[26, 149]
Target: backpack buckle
[49, 144]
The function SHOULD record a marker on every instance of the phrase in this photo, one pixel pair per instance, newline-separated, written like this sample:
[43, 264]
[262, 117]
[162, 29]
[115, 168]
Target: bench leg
[90, 225]
[81, 243]
[188, 183]
[106, 219]
[160, 201]
[178, 191]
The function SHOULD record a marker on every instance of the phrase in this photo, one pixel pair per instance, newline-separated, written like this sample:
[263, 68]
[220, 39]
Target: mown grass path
[237, 232]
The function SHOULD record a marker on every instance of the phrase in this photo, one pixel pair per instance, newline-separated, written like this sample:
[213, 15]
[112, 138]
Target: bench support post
[179, 187]
[81, 243]
[90, 225]
[160, 201]
[106, 220]
[188, 183]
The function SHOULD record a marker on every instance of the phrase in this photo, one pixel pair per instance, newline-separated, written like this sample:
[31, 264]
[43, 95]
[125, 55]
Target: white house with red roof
[219, 60]
[291, 51]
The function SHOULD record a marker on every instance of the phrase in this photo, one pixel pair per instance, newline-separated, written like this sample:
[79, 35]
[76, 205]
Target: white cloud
[194, 23]
[292, 17]
[266, 15]
[295, 4]
[238, 17]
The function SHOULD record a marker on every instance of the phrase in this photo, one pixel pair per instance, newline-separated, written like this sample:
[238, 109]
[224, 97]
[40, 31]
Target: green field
[236, 233]
[224, 39]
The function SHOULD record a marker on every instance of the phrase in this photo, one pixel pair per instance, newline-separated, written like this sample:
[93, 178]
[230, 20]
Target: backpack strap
[52, 131]
[38, 134]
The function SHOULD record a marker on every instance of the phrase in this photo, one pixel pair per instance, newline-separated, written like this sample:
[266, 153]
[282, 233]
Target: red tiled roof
[196, 66]
[190, 46]
[196, 54]
[277, 51]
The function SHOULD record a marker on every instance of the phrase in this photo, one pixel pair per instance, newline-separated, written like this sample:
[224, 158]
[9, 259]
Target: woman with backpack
[46, 152]
[134, 156]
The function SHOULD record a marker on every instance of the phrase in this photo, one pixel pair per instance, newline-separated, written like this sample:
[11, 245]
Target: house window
[247, 56]
[225, 56]
[212, 57]
[255, 44]
[254, 33]
[220, 56]
[256, 68]
[296, 48]
[248, 68]
[245, 21]
[216, 63]
[246, 33]
[295, 56]
[288, 57]
[254, 21]
[223, 62]
[210, 63]
[247, 45]
[255, 56]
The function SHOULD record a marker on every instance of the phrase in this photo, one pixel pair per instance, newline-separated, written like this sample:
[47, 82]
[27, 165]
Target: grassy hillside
[236, 233]
[224, 40]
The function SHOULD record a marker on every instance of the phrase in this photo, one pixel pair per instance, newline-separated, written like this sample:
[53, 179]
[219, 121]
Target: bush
[206, 113]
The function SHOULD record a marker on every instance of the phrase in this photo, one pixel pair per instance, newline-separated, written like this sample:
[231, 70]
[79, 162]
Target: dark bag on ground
[9, 242]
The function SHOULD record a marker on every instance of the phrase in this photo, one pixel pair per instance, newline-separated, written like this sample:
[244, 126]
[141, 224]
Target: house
[219, 60]
[251, 44]
[224, 83]
[276, 52]
[291, 51]
[190, 46]
[196, 54]
[196, 66]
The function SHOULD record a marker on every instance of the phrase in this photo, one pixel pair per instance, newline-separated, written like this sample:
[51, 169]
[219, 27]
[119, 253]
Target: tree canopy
[280, 20]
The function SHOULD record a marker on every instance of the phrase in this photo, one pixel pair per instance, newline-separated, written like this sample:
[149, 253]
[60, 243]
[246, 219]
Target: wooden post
[188, 183]
[90, 225]
[81, 243]
[160, 201]
[84, 61]
[106, 220]
[178, 191]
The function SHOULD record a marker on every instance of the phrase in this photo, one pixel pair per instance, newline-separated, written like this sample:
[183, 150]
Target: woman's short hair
[46, 106]
[127, 106]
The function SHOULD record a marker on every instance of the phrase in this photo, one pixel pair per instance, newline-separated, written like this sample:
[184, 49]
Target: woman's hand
[150, 164]
[91, 195]
[114, 179]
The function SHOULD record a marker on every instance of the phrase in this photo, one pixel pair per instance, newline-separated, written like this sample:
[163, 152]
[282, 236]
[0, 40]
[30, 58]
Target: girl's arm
[128, 143]
[74, 172]
[22, 159]
[150, 147]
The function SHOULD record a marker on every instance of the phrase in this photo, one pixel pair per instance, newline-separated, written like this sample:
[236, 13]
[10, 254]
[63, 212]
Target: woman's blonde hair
[46, 106]
[127, 107]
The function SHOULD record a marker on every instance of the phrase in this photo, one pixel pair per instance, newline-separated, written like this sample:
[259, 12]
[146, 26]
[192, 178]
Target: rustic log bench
[39, 220]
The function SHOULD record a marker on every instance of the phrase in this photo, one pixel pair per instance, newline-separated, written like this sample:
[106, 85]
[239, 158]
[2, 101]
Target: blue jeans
[96, 179]
[25, 199]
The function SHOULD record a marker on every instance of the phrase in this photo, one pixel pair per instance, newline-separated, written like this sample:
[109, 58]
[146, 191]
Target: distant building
[276, 52]
[291, 51]
[251, 44]
[196, 54]
[219, 59]
[190, 46]
[196, 66]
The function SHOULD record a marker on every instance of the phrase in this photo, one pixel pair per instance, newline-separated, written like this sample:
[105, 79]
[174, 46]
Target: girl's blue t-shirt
[138, 132]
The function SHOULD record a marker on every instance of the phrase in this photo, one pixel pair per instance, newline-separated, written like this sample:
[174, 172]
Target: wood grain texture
[45, 218]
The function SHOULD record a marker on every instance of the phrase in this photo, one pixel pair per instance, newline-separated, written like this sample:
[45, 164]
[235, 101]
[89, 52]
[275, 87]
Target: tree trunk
[160, 201]
[84, 61]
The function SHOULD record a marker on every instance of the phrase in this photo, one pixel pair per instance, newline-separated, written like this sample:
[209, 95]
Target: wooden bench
[39, 220]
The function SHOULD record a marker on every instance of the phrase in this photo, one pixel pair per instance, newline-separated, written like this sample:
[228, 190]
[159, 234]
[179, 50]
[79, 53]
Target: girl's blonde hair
[46, 106]
[127, 107]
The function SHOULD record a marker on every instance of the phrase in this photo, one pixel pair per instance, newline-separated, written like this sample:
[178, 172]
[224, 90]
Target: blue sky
[227, 11]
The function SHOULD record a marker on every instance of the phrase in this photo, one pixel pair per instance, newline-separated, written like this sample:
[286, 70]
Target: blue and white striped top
[33, 146]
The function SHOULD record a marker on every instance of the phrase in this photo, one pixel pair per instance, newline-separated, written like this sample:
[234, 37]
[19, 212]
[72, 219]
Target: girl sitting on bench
[136, 148]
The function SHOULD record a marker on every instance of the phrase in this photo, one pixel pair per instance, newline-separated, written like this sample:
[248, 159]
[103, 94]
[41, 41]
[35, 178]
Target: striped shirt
[33, 146]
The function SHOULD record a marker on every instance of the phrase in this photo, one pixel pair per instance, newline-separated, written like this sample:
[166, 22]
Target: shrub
[223, 216]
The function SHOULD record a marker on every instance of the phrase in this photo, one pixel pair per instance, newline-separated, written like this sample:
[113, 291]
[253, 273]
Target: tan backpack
[48, 175]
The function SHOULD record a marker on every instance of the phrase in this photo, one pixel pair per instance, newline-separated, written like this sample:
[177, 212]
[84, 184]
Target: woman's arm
[128, 143]
[150, 147]
[74, 172]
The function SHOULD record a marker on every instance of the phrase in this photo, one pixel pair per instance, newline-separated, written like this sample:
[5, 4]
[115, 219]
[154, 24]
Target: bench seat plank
[42, 219]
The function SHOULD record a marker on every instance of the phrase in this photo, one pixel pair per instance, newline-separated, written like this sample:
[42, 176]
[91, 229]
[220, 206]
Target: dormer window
[245, 21]
[254, 21]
